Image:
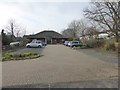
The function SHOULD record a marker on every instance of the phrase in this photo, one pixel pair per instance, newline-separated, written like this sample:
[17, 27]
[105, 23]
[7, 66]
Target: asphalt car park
[34, 46]
[25, 50]
[60, 66]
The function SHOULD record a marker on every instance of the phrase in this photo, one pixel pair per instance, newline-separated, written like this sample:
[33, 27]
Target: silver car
[75, 44]
[34, 44]
[70, 43]
[66, 43]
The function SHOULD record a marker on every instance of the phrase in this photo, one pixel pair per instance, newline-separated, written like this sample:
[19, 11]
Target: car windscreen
[75, 42]
[38, 42]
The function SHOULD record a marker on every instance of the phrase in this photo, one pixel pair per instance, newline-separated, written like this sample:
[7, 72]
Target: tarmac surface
[61, 67]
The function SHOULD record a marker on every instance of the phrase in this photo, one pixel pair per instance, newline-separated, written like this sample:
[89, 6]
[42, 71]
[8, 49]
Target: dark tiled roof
[46, 34]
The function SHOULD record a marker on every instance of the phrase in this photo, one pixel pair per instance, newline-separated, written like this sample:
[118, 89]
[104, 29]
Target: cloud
[8, 12]
[48, 0]
[38, 16]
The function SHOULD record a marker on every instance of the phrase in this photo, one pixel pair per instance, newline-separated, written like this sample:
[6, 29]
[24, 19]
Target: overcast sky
[37, 16]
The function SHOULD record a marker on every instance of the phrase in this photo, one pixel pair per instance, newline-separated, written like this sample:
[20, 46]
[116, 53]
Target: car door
[32, 44]
[40, 43]
[36, 44]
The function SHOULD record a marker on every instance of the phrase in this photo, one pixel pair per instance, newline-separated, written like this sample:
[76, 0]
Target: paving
[60, 66]
[107, 57]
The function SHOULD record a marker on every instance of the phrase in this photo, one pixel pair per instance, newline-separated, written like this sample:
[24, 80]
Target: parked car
[35, 43]
[14, 43]
[75, 44]
[66, 43]
[44, 43]
[69, 43]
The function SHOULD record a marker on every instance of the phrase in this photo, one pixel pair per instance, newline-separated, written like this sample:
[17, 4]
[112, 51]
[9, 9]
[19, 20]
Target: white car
[14, 43]
[69, 43]
[66, 43]
[75, 44]
[34, 44]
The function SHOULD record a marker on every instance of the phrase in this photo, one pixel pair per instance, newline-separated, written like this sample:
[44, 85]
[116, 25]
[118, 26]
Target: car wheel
[28, 46]
[39, 46]
[73, 46]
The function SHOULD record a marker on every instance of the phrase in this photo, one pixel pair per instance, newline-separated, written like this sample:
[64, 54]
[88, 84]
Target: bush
[100, 43]
[6, 57]
[30, 53]
[9, 55]
[27, 54]
[110, 46]
[22, 55]
[107, 44]
[35, 53]
[95, 43]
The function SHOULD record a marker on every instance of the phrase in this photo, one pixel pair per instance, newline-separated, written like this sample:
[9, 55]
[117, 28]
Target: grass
[9, 56]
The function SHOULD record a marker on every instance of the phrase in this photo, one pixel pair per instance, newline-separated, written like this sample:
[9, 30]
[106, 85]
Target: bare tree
[78, 27]
[92, 32]
[11, 28]
[73, 26]
[105, 14]
[75, 29]
[68, 33]
[20, 32]
[14, 29]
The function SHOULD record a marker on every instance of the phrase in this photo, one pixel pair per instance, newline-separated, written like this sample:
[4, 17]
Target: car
[44, 43]
[69, 43]
[75, 44]
[34, 43]
[66, 43]
[15, 44]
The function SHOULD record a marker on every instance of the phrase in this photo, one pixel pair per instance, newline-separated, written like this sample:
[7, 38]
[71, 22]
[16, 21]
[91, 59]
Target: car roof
[75, 41]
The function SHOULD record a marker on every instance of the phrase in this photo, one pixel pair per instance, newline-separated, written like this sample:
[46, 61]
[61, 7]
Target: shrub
[88, 43]
[95, 43]
[14, 55]
[9, 55]
[34, 53]
[99, 43]
[27, 54]
[6, 57]
[109, 46]
[30, 53]
[21, 55]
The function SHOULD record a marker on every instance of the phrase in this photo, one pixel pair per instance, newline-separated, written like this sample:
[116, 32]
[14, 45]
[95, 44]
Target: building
[51, 37]
[107, 34]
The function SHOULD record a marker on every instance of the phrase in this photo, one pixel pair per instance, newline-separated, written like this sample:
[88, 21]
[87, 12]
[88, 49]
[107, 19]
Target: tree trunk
[117, 37]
